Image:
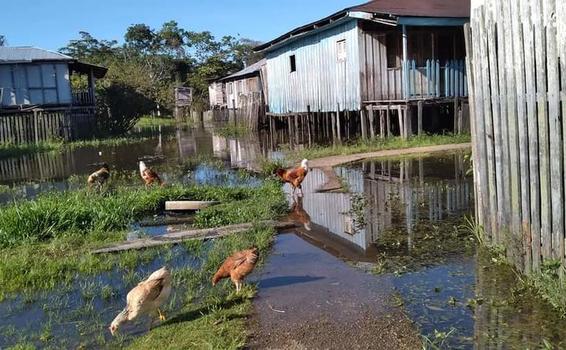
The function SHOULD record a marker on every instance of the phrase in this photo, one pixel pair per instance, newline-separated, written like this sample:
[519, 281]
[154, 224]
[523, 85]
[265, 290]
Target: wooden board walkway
[181, 236]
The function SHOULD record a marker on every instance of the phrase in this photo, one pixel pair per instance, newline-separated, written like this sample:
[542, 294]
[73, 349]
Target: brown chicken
[100, 176]
[149, 175]
[295, 176]
[298, 214]
[237, 267]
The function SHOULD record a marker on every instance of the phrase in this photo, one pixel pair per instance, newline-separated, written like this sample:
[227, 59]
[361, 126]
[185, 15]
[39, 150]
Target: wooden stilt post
[381, 123]
[309, 124]
[290, 129]
[408, 120]
[333, 123]
[420, 117]
[401, 124]
[338, 131]
[388, 119]
[371, 123]
[456, 126]
[363, 123]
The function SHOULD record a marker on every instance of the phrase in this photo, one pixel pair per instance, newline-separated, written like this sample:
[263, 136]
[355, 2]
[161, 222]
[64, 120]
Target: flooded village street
[381, 263]
[321, 174]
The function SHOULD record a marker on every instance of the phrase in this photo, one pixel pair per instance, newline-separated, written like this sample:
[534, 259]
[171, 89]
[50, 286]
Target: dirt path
[308, 299]
[333, 183]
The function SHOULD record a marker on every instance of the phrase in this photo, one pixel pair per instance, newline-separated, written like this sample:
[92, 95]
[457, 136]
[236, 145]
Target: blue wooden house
[37, 101]
[393, 57]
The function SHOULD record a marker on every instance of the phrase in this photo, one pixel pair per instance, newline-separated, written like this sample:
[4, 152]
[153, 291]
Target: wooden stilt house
[37, 102]
[384, 58]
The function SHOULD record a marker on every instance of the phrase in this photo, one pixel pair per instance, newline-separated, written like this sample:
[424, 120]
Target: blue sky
[50, 24]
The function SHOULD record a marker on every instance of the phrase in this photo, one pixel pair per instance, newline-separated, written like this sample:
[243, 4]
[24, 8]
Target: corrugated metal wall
[321, 80]
[24, 84]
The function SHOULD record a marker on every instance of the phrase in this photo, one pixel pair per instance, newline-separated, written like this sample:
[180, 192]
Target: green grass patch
[362, 146]
[48, 239]
[233, 130]
[149, 121]
[212, 317]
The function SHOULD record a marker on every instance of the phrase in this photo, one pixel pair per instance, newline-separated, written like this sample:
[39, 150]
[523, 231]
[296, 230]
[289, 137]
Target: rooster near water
[100, 176]
[145, 298]
[294, 176]
[149, 175]
[237, 267]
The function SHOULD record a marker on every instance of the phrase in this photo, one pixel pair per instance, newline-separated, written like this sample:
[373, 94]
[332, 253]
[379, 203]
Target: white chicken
[145, 298]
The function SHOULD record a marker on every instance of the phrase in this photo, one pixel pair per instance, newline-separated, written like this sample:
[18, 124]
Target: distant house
[235, 90]
[33, 79]
[384, 54]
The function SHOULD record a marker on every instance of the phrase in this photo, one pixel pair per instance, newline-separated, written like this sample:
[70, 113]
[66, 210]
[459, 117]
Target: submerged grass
[149, 121]
[47, 240]
[8, 150]
[233, 130]
[362, 146]
[211, 318]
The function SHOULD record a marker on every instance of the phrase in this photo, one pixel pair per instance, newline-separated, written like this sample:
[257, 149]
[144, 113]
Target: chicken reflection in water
[298, 214]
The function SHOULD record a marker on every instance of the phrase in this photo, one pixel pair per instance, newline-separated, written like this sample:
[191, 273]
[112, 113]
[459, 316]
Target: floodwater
[398, 220]
[404, 221]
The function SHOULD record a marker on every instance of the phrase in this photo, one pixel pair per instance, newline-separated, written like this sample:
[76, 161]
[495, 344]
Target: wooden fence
[517, 74]
[250, 111]
[43, 125]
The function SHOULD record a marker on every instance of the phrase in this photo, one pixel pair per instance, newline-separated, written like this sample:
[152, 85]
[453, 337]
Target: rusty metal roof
[249, 70]
[392, 9]
[418, 8]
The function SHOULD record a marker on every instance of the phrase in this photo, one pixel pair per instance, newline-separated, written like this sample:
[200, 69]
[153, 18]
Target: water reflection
[397, 194]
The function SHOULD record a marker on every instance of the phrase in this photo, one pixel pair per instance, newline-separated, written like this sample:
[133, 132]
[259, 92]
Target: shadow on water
[406, 217]
[286, 281]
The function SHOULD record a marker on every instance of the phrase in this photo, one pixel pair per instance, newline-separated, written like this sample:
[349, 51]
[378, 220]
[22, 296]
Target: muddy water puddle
[406, 218]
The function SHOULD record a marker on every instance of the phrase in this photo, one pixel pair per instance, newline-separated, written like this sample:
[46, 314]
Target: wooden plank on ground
[188, 205]
[197, 234]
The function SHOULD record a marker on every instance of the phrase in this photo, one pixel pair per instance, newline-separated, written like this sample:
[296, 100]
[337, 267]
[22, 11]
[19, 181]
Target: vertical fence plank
[555, 126]
[532, 126]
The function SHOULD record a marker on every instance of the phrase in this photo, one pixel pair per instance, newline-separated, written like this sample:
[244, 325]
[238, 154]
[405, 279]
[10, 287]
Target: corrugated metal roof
[392, 8]
[249, 70]
[29, 54]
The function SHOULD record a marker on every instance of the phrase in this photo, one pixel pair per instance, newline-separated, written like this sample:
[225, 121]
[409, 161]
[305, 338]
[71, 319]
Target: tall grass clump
[80, 212]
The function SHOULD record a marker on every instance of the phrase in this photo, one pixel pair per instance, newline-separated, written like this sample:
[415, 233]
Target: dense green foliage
[143, 71]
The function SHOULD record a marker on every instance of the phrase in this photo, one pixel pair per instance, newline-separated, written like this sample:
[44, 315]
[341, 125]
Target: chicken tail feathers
[143, 168]
[280, 172]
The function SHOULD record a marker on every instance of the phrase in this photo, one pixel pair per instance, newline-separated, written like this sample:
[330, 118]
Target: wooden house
[37, 101]
[382, 55]
[243, 94]
[234, 90]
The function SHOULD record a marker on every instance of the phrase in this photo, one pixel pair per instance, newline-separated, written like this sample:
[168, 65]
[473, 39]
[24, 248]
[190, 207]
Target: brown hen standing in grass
[100, 176]
[294, 176]
[237, 267]
[149, 175]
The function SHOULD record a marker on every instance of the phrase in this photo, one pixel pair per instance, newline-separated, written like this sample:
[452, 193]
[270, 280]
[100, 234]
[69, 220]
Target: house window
[341, 50]
[292, 63]
[229, 88]
[394, 49]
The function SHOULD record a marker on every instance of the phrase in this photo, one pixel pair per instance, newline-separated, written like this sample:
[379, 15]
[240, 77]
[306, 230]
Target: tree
[141, 37]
